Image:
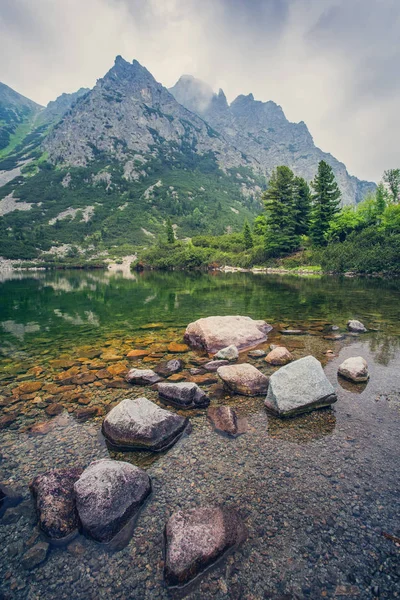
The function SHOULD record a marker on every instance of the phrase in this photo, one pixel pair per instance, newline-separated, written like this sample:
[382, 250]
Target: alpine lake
[319, 494]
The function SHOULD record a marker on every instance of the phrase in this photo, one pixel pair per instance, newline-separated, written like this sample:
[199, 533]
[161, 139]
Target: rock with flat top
[197, 538]
[109, 494]
[142, 377]
[183, 395]
[141, 424]
[54, 496]
[244, 379]
[356, 326]
[354, 369]
[167, 368]
[214, 333]
[299, 387]
[279, 356]
[214, 365]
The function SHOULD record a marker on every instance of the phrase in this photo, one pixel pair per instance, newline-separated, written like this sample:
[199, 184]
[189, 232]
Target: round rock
[244, 379]
[354, 369]
[279, 356]
[356, 326]
[109, 493]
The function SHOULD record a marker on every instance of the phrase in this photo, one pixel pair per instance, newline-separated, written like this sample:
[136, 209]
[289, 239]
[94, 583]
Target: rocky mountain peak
[192, 93]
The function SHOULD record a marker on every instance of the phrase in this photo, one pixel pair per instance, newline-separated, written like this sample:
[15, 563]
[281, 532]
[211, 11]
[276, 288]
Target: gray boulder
[54, 496]
[140, 424]
[228, 353]
[354, 369]
[197, 538]
[183, 395]
[299, 387]
[356, 326]
[142, 377]
[109, 494]
[214, 333]
[244, 379]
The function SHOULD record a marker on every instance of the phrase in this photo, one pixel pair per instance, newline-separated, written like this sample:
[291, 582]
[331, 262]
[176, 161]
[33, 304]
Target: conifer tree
[279, 203]
[170, 232]
[247, 237]
[325, 202]
[302, 197]
[380, 198]
[392, 178]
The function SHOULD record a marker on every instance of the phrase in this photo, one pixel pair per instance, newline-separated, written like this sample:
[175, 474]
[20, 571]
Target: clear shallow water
[316, 492]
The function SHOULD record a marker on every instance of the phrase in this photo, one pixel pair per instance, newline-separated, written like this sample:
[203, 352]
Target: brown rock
[244, 379]
[117, 383]
[103, 374]
[84, 378]
[224, 418]
[6, 420]
[177, 377]
[279, 356]
[118, 369]
[60, 363]
[137, 354]
[206, 379]
[29, 387]
[84, 414]
[54, 409]
[41, 428]
[175, 347]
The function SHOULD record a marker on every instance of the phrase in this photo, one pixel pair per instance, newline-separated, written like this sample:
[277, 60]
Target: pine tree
[392, 178]
[302, 195]
[380, 198]
[325, 202]
[247, 237]
[280, 236]
[170, 232]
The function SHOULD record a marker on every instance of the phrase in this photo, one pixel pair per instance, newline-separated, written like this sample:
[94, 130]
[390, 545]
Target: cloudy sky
[334, 64]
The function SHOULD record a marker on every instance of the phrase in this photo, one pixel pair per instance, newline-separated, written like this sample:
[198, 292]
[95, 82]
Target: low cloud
[332, 63]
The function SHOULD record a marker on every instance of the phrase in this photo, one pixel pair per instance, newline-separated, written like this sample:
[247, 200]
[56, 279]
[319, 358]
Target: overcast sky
[331, 63]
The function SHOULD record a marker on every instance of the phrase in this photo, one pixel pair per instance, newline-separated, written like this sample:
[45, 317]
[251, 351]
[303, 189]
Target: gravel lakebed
[319, 494]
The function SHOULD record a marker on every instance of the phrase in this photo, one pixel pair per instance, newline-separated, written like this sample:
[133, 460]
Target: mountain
[15, 112]
[261, 131]
[105, 167]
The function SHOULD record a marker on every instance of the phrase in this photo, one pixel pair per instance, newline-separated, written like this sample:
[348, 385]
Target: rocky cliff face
[56, 109]
[15, 109]
[261, 131]
[132, 118]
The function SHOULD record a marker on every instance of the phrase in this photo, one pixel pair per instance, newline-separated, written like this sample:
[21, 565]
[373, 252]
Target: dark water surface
[317, 492]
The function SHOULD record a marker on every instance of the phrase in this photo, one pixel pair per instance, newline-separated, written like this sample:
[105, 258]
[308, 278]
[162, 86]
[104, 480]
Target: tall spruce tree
[279, 203]
[325, 202]
[247, 237]
[380, 198]
[170, 231]
[302, 200]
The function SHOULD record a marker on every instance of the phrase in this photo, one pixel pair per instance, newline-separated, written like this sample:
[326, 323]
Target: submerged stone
[225, 419]
[169, 367]
[183, 395]
[54, 496]
[35, 555]
[109, 493]
[356, 326]
[197, 538]
[299, 387]
[354, 369]
[244, 379]
[214, 333]
[141, 424]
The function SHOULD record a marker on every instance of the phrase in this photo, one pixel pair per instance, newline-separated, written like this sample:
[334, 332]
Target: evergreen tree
[380, 198]
[247, 237]
[325, 202]
[279, 202]
[302, 196]
[170, 232]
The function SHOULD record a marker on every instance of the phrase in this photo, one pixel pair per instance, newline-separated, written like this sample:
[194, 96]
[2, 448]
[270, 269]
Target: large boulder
[54, 496]
[214, 333]
[141, 424]
[354, 369]
[244, 379]
[279, 356]
[225, 420]
[356, 326]
[109, 493]
[299, 387]
[197, 538]
[183, 395]
[142, 377]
